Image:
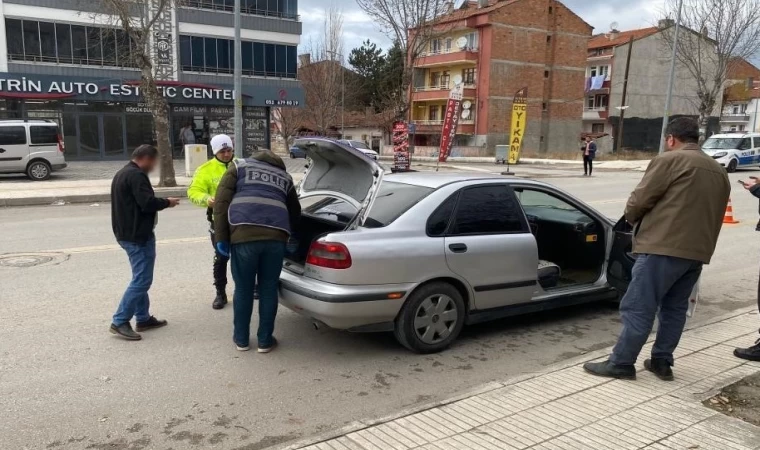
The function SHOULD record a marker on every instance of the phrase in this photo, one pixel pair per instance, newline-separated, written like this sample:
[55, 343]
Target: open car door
[621, 258]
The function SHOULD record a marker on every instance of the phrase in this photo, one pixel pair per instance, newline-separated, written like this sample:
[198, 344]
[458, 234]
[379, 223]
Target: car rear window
[393, 200]
[46, 134]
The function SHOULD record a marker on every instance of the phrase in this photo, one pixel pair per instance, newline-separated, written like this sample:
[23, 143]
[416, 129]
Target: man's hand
[173, 202]
[223, 248]
[751, 183]
[211, 202]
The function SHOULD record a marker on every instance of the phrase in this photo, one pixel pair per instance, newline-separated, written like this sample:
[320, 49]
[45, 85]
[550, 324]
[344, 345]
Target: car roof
[31, 121]
[735, 135]
[435, 180]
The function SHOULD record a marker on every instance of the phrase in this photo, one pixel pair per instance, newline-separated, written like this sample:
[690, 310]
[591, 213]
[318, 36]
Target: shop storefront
[106, 119]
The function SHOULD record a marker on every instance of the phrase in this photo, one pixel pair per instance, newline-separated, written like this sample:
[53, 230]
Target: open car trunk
[309, 230]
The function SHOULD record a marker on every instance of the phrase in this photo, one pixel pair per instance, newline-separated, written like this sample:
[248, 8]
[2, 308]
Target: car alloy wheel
[732, 166]
[435, 319]
[39, 171]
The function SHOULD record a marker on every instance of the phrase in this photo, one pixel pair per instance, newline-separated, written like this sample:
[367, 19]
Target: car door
[621, 259]
[14, 151]
[489, 244]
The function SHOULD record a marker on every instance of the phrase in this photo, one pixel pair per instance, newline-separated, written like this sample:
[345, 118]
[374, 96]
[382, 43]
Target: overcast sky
[629, 14]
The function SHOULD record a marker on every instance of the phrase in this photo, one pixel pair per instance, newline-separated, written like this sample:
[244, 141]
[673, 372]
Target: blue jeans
[659, 282]
[251, 262]
[136, 302]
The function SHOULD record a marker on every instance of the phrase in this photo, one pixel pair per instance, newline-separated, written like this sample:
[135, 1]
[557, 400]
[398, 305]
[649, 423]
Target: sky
[357, 27]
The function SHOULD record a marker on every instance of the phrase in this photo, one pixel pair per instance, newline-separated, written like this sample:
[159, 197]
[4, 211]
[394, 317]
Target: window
[109, 46]
[79, 44]
[12, 135]
[276, 8]
[224, 53]
[197, 52]
[745, 144]
[487, 210]
[472, 40]
[743, 108]
[741, 127]
[445, 79]
[438, 222]
[435, 46]
[468, 76]
[63, 43]
[94, 49]
[259, 68]
[14, 37]
[246, 48]
[281, 60]
[544, 107]
[43, 134]
[292, 66]
[548, 39]
[31, 38]
[393, 200]
[47, 40]
[448, 45]
[597, 102]
[435, 79]
[597, 128]
[546, 74]
[433, 114]
[209, 50]
[270, 59]
[599, 70]
[217, 56]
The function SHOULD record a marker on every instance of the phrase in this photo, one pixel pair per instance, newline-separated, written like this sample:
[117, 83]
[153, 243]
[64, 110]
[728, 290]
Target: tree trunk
[160, 109]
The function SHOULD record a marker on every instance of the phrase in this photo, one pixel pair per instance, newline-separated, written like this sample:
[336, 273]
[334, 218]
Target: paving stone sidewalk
[564, 408]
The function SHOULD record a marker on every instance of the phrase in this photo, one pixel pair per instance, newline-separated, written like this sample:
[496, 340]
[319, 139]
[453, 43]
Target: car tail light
[61, 145]
[329, 254]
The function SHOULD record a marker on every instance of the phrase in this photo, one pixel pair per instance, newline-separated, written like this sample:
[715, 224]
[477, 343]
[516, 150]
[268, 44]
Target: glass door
[90, 136]
[112, 131]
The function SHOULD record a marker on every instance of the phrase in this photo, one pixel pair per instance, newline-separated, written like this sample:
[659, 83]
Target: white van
[734, 150]
[33, 147]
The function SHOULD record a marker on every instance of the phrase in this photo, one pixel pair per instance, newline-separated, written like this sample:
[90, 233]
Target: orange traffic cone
[729, 216]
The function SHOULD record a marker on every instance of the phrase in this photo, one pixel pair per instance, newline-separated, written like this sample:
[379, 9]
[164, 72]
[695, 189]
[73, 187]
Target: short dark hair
[145, 151]
[684, 130]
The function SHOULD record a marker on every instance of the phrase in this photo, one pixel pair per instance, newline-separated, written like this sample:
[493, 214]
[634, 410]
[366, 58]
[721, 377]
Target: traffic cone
[729, 216]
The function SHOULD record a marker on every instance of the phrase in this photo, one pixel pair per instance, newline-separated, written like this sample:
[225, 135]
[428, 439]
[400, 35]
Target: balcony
[735, 117]
[447, 57]
[434, 126]
[596, 113]
[441, 92]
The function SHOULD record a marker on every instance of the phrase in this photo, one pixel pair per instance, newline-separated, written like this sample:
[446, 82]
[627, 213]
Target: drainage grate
[24, 260]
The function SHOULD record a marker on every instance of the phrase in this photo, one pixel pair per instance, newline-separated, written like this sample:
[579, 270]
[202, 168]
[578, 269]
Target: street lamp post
[342, 92]
[669, 96]
[238, 81]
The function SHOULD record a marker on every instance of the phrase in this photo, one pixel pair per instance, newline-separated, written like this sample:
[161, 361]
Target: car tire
[431, 319]
[39, 171]
[731, 168]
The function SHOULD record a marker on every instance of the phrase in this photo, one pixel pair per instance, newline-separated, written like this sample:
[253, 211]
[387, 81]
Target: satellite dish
[614, 26]
[457, 79]
[462, 43]
[466, 114]
[467, 104]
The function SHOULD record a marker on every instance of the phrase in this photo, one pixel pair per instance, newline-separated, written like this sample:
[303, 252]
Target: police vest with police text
[260, 196]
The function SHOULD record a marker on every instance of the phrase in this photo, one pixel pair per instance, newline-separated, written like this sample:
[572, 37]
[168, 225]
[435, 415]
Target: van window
[12, 135]
[44, 134]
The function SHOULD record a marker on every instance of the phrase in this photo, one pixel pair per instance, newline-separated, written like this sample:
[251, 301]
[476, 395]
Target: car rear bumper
[59, 166]
[342, 306]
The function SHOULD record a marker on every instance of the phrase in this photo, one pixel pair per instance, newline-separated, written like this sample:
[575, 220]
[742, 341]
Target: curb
[487, 387]
[45, 200]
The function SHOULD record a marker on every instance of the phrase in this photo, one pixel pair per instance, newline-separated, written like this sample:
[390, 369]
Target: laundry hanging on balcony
[597, 82]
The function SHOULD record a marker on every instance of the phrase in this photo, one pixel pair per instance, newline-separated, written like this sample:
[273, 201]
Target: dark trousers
[661, 283]
[252, 262]
[220, 266]
[588, 164]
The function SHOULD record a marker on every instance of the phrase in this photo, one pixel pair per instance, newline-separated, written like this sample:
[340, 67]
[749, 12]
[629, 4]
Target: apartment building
[65, 60]
[646, 89]
[496, 48]
[741, 99]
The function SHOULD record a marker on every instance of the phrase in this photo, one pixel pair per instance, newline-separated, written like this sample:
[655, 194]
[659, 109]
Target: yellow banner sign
[519, 120]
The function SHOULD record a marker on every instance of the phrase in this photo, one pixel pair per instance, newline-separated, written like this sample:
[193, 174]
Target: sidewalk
[565, 408]
[638, 165]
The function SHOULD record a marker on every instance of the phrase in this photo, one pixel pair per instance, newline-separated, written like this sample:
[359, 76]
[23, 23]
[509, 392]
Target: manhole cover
[24, 260]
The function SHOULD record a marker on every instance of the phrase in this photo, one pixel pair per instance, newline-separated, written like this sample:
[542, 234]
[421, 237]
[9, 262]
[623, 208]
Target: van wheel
[39, 171]
[431, 319]
[732, 166]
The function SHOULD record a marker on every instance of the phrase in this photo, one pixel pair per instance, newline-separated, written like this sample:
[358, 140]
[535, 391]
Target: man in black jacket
[752, 353]
[134, 214]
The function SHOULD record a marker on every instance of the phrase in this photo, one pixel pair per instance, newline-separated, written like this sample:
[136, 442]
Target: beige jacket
[678, 206]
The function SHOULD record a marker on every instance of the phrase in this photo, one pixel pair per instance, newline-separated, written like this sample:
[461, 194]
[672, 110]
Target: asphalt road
[65, 382]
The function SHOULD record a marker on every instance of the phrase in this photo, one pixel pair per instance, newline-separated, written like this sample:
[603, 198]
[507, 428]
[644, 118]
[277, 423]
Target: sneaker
[221, 299]
[610, 370]
[268, 348]
[125, 331]
[151, 324]
[659, 367]
[242, 348]
[750, 354]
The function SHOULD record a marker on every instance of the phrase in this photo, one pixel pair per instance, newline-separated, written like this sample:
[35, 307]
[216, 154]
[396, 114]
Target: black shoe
[151, 324]
[220, 300]
[610, 370]
[659, 367]
[268, 348]
[125, 331]
[750, 354]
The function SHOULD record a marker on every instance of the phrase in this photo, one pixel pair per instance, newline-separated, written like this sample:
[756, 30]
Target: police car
[734, 150]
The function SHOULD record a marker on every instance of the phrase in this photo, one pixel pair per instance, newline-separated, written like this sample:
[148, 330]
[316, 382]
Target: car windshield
[360, 145]
[722, 143]
[393, 200]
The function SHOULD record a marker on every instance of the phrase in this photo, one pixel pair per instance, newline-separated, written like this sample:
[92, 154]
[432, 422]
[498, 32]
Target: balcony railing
[441, 87]
[444, 51]
[735, 117]
[439, 122]
[244, 9]
[595, 109]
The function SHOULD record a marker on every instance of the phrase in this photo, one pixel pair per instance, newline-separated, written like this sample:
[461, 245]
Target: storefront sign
[401, 161]
[164, 49]
[450, 121]
[519, 120]
[256, 130]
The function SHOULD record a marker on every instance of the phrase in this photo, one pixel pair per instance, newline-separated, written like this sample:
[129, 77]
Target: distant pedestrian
[677, 212]
[187, 134]
[134, 214]
[752, 353]
[589, 153]
[255, 210]
[202, 192]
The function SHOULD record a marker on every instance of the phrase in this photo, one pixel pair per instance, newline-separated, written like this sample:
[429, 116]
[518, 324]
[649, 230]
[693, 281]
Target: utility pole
[669, 95]
[625, 93]
[239, 145]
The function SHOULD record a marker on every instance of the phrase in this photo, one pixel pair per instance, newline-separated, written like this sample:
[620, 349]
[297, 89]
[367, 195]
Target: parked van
[734, 150]
[33, 147]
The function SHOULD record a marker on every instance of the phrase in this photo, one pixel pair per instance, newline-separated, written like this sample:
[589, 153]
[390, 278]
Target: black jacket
[755, 190]
[134, 205]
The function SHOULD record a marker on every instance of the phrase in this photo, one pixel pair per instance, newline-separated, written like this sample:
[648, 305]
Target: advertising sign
[519, 118]
[401, 161]
[450, 121]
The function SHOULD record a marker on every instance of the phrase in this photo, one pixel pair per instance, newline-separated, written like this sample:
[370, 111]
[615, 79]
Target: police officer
[255, 210]
[201, 192]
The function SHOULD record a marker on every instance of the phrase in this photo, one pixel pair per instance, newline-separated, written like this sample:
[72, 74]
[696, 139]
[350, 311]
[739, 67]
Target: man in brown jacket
[677, 211]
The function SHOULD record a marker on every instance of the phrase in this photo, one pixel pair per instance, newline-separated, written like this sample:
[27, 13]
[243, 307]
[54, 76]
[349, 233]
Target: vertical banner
[519, 120]
[450, 121]
[400, 147]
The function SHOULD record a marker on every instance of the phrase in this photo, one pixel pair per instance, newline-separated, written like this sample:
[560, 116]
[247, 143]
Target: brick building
[498, 47]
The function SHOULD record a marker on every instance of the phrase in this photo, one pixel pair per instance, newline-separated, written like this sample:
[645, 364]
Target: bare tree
[413, 24]
[138, 19]
[714, 33]
[289, 121]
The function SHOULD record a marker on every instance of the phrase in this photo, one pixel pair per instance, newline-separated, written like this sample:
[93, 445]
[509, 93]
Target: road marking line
[109, 247]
